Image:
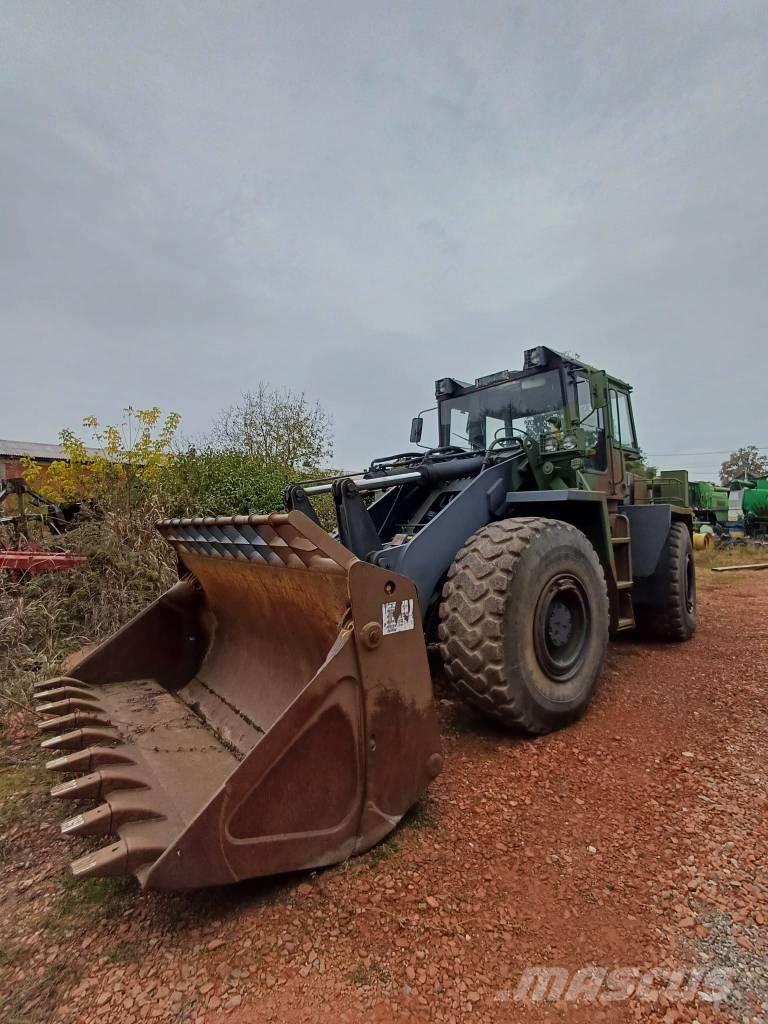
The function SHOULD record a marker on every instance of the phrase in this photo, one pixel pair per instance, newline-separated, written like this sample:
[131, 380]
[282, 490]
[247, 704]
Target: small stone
[215, 943]
[304, 889]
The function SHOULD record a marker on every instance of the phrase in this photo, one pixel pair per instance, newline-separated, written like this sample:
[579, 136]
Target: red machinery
[29, 560]
[32, 561]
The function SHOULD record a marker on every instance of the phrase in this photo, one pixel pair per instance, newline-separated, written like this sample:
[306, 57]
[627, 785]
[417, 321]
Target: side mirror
[417, 425]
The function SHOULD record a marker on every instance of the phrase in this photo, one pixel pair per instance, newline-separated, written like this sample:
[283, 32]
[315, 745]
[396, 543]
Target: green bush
[230, 482]
[209, 483]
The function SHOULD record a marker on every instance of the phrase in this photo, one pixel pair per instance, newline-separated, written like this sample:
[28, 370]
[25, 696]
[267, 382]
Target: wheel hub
[559, 624]
[561, 627]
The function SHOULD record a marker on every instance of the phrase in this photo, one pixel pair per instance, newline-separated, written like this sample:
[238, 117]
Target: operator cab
[566, 407]
[501, 406]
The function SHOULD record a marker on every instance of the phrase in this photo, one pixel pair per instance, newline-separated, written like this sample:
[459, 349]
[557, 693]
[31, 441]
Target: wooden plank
[736, 568]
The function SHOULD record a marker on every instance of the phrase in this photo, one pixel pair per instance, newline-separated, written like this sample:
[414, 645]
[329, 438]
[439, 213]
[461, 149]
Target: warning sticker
[397, 616]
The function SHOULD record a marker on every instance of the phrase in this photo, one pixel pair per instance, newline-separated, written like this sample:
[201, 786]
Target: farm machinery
[273, 710]
[25, 558]
[748, 507]
[709, 503]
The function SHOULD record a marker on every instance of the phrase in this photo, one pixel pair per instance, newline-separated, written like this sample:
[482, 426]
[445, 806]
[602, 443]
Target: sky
[354, 198]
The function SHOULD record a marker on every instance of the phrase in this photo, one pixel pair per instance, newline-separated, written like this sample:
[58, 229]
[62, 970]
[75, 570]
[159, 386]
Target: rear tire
[524, 622]
[674, 620]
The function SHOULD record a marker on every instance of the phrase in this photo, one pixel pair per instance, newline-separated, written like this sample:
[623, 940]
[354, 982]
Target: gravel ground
[635, 839]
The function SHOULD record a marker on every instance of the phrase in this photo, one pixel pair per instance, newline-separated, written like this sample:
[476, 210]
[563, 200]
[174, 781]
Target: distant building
[12, 453]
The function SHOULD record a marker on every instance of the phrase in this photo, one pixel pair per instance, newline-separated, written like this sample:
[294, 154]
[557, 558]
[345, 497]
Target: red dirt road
[635, 839]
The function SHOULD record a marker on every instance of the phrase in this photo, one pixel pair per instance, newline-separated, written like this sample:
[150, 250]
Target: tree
[120, 461]
[277, 428]
[742, 464]
[640, 467]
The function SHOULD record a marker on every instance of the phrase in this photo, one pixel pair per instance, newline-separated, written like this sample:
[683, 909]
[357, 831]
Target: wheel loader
[273, 710]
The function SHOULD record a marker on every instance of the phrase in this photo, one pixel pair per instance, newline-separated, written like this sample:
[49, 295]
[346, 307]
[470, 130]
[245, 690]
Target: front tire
[524, 622]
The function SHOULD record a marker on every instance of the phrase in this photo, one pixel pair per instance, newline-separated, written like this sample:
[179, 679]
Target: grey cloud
[357, 198]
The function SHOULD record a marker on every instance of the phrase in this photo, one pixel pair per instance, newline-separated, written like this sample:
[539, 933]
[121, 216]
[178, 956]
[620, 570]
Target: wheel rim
[561, 627]
[690, 585]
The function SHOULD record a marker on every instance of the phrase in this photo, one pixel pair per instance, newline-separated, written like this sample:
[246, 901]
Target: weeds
[126, 952]
[714, 557]
[737, 554]
[47, 617]
[79, 901]
[36, 1001]
[364, 976]
[22, 789]
[421, 816]
[382, 851]
[9, 954]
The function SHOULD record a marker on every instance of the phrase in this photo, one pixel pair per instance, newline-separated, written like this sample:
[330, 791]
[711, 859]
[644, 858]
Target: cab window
[623, 424]
[593, 423]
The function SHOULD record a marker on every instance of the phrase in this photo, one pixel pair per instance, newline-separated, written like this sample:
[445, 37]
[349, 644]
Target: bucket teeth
[86, 788]
[61, 692]
[128, 855]
[97, 822]
[111, 860]
[46, 686]
[89, 759]
[120, 808]
[79, 738]
[98, 784]
[66, 706]
[74, 721]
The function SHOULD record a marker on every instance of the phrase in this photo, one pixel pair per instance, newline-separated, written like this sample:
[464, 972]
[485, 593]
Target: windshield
[520, 406]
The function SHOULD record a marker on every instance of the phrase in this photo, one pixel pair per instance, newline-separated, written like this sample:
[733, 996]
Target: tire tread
[471, 629]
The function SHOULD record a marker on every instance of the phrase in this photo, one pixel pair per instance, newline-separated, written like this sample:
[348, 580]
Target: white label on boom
[397, 620]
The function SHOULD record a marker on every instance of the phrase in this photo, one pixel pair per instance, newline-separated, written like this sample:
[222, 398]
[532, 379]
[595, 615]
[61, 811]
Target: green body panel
[754, 503]
[671, 486]
[708, 501]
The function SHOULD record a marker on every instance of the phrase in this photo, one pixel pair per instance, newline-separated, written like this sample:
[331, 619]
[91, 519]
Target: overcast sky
[354, 198]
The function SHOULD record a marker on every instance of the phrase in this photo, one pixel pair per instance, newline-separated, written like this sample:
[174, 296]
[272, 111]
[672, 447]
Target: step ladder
[622, 558]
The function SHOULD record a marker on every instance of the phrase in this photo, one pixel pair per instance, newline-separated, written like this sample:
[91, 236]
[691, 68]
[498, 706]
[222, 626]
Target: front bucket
[271, 712]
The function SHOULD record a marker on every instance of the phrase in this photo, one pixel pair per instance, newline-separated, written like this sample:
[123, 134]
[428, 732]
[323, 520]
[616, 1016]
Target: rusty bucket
[271, 712]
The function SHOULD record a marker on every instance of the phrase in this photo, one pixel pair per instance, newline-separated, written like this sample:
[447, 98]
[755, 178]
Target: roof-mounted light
[493, 378]
[535, 357]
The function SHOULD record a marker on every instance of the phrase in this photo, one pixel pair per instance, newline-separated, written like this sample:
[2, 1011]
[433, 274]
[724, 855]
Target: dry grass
[46, 617]
[714, 557]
